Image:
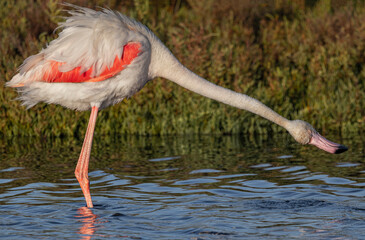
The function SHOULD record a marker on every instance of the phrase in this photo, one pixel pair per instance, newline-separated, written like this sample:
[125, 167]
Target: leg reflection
[88, 219]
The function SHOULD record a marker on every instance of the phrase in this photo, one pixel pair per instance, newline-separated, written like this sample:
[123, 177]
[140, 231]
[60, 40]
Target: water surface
[182, 187]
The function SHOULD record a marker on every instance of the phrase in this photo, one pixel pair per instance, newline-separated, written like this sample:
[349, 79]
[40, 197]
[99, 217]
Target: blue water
[182, 187]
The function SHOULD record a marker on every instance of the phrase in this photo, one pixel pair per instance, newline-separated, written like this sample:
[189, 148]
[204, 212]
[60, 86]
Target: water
[182, 187]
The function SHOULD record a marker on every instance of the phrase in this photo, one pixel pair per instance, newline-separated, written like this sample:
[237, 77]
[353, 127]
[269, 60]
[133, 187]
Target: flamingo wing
[92, 47]
[54, 75]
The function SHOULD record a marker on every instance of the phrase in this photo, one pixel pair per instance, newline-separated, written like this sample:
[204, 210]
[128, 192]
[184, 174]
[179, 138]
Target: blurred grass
[302, 58]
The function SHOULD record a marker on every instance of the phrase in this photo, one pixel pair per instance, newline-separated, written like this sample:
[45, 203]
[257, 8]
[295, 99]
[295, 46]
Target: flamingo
[101, 57]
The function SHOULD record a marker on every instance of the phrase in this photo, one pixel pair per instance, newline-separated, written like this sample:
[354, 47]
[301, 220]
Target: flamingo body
[102, 57]
[96, 59]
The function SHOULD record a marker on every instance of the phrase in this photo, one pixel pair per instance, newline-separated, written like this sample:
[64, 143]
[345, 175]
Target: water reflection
[88, 219]
[194, 187]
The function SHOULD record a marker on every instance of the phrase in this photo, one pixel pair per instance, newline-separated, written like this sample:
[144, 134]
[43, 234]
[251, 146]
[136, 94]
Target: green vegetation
[304, 59]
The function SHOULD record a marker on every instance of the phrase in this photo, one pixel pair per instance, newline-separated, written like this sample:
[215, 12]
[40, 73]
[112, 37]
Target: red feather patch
[130, 52]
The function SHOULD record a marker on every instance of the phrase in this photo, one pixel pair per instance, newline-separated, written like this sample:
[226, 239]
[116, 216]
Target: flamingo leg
[81, 171]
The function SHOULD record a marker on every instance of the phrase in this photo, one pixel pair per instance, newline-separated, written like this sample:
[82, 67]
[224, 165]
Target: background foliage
[302, 58]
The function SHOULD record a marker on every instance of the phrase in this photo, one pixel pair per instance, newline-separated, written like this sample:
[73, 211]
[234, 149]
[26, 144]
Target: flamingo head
[304, 133]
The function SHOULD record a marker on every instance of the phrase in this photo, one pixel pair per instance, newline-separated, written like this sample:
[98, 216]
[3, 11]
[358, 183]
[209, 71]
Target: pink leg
[81, 171]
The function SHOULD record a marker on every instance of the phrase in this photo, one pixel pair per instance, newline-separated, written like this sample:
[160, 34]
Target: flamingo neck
[170, 68]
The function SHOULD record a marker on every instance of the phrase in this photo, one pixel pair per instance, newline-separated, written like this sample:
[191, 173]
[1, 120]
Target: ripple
[285, 156]
[263, 165]
[347, 164]
[205, 171]
[293, 169]
[163, 159]
[275, 168]
[337, 180]
[289, 204]
[3, 181]
[195, 181]
[259, 184]
[11, 169]
[222, 188]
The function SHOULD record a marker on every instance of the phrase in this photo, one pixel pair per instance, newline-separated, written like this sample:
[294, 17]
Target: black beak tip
[341, 149]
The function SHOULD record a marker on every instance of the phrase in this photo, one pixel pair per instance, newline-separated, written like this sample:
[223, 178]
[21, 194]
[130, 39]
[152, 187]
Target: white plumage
[87, 47]
[89, 39]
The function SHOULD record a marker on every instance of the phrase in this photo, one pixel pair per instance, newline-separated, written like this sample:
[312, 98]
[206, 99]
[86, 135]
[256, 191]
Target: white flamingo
[102, 57]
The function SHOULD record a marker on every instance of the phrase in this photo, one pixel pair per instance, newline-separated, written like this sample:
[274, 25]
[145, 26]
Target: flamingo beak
[326, 145]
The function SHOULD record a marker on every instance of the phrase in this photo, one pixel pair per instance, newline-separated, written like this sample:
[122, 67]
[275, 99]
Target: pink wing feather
[130, 52]
[53, 75]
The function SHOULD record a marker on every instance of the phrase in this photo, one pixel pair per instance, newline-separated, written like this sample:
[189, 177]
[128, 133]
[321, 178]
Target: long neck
[170, 68]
